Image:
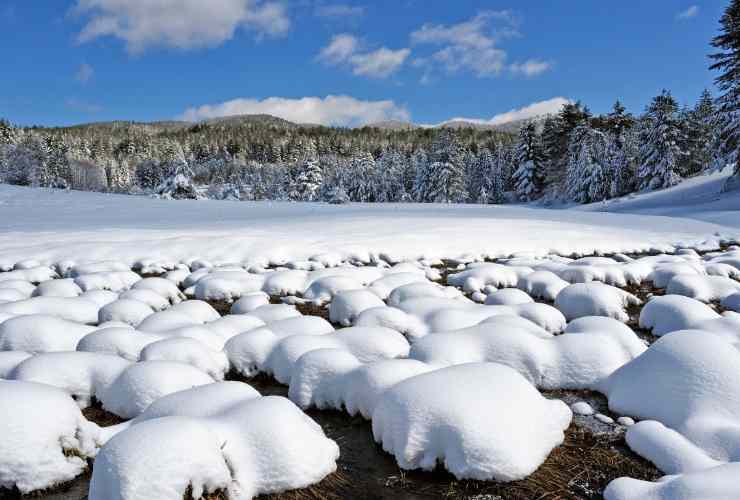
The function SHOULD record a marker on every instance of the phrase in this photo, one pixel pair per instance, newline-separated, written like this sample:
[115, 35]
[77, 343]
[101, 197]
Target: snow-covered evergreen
[661, 153]
[178, 185]
[529, 176]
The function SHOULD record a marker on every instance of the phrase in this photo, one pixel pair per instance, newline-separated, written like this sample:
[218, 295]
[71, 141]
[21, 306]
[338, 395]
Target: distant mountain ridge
[281, 123]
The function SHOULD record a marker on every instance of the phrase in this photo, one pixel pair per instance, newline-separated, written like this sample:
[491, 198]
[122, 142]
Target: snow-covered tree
[390, 177]
[701, 136]
[441, 179]
[660, 152]
[178, 185]
[620, 160]
[587, 178]
[307, 182]
[492, 183]
[529, 175]
[360, 184]
[727, 61]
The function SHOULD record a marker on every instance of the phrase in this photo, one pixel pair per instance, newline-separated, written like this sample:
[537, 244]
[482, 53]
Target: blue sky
[345, 62]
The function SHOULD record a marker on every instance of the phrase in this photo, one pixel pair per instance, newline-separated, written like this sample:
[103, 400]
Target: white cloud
[339, 49]
[183, 24]
[470, 45]
[340, 11]
[531, 67]
[539, 108]
[84, 73]
[692, 11]
[332, 110]
[380, 63]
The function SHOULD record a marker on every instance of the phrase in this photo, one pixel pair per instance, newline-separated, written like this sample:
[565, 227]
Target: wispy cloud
[340, 11]
[84, 73]
[539, 108]
[473, 46]
[345, 49]
[331, 110]
[689, 13]
[531, 67]
[185, 24]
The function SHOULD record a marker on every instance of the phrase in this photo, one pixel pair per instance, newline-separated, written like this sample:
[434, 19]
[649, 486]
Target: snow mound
[542, 285]
[595, 299]
[717, 483]
[190, 351]
[365, 343]
[280, 449]
[148, 297]
[9, 360]
[334, 378]
[119, 341]
[664, 273]
[732, 302]
[162, 287]
[689, 382]
[131, 312]
[249, 302]
[75, 309]
[703, 288]
[322, 290]
[248, 351]
[671, 313]
[349, 304]
[83, 375]
[45, 438]
[481, 421]
[508, 297]
[41, 333]
[57, 288]
[115, 281]
[476, 278]
[143, 383]
[580, 360]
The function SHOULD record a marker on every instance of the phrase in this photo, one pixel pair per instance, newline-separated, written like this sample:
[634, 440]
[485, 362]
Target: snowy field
[174, 349]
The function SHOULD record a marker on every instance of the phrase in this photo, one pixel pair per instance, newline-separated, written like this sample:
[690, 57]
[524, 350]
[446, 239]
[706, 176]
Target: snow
[367, 344]
[670, 313]
[249, 302]
[45, 437]
[582, 408]
[83, 375]
[41, 333]
[481, 421]
[595, 299]
[209, 448]
[143, 383]
[57, 288]
[703, 288]
[129, 311]
[349, 304]
[189, 351]
[732, 302]
[542, 285]
[508, 297]
[76, 309]
[582, 360]
[687, 381]
[479, 276]
[717, 483]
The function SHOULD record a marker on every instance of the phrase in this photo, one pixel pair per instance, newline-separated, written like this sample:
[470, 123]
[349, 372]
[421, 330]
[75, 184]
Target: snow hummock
[481, 421]
[45, 438]
[595, 299]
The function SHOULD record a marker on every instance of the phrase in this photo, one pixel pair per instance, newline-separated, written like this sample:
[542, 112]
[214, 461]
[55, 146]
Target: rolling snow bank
[482, 421]
[197, 438]
[129, 228]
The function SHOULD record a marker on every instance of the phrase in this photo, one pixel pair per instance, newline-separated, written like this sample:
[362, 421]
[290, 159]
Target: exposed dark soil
[95, 413]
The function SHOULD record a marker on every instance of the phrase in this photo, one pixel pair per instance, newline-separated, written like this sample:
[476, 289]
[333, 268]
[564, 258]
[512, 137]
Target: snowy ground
[158, 349]
[54, 225]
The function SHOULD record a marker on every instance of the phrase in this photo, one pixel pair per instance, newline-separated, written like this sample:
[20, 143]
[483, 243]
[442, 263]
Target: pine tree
[727, 61]
[442, 179]
[556, 139]
[587, 178]
[618, 121]
[390, 178]
[9, 135]
[529, 176]
[493, 183]
[660, 152]
[361, 184]
[620, 154]
[701, 136]
[308, 180]
[178, 185]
